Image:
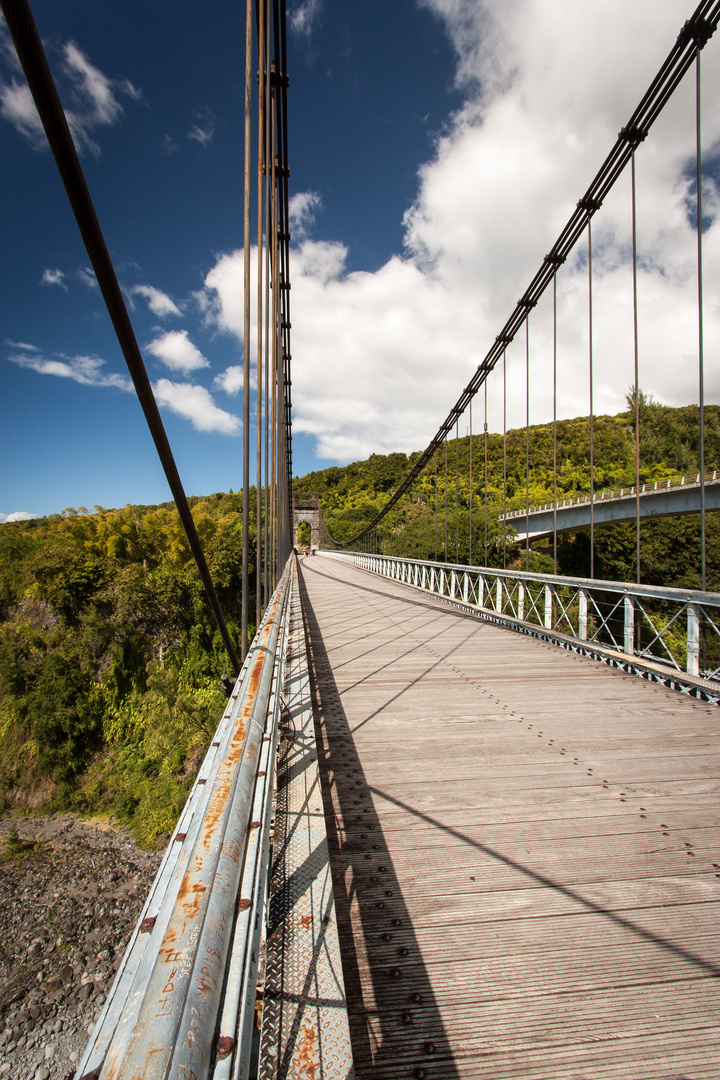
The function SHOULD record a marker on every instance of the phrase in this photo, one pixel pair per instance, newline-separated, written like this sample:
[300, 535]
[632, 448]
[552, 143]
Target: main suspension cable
[693, 37]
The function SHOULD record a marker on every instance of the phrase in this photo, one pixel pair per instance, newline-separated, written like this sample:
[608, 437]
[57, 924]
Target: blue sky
[435, 153]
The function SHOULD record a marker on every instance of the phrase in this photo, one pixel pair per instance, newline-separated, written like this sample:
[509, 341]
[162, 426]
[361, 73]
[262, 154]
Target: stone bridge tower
[307, 511]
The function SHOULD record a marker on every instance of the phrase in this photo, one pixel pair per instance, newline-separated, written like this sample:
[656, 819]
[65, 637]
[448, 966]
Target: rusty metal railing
[183, 999]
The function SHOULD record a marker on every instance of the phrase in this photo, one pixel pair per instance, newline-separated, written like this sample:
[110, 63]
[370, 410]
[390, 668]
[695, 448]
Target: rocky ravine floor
[68, 903]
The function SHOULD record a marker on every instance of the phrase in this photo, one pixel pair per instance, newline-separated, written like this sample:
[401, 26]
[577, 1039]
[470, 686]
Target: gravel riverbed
[70, 895]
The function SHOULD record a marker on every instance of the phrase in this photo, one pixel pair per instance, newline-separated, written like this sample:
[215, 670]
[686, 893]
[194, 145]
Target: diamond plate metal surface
[304, 1030]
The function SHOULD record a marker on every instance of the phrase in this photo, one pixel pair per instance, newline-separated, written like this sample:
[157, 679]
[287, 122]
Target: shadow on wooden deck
[395, 1023]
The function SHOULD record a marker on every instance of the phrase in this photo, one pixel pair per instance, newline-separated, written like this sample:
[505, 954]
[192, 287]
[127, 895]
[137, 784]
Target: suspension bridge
[457, 820]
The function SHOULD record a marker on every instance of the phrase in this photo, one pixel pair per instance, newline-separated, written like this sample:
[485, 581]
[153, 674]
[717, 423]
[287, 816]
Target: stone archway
[307, 512]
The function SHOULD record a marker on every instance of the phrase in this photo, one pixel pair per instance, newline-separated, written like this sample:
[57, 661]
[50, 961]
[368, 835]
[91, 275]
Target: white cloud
[86, 276]
[86, 370]
[159, 302]
[19, 515]
[176, 351]
[203, 130]
[90, 98]
[301, 211]
[195, 403]
[380, 358]
[230, 381]
[23, 346]
[17, 107]
[303, 17]
[53, 277]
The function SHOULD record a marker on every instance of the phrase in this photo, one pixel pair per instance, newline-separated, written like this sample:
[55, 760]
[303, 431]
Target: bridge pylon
[306, 511]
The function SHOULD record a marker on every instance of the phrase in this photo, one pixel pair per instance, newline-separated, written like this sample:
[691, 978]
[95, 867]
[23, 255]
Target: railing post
[521, 601]
[466, 586]
[629, 637]
[453, 583]
[481, 591]
[693, 639]
[582, 614]
[548, 608]
[498, 596]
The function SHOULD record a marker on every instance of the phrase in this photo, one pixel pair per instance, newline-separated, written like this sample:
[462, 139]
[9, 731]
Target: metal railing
[617, 493]
[183, 1000]
[677, 629]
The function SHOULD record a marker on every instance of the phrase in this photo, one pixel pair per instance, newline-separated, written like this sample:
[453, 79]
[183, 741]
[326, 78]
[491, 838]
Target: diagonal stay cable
[35, 66]
[693, 37]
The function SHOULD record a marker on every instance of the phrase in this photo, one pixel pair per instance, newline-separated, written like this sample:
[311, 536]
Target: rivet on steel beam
[202, 780]
[225, 1046]
[429, 1047]
[180, 836]
[216, 744]
[244, 904]
[147, 924]
[417, 998]
[395, 973]
[254, 824]
[261, 773]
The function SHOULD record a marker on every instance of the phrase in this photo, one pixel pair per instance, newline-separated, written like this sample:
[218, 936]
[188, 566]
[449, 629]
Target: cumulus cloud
[159, 302]
[90, 98]
[195, 403]
[230, 380]
[86, 370]
[303, 17]
[176, 351]
[19, 515]
[301, 211]
[380, 358]
[203, 130]
[53, 277]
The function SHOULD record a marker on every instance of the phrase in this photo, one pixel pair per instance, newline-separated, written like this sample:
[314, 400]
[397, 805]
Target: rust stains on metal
[180, 836]
[147, 924]
[307, 1056]
[244, 904]
[224, 784]
[225, 1046]
[306, 921]
[190, 897]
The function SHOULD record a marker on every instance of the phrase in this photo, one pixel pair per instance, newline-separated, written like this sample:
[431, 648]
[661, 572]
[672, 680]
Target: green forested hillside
[351, 496]
[109, 656]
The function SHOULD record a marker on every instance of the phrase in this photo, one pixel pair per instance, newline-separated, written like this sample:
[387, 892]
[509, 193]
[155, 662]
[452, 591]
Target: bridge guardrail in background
[607, 495]
[677, 630]
[183, 999]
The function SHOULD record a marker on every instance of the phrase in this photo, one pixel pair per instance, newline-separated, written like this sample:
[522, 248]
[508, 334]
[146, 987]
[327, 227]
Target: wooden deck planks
[525, 847]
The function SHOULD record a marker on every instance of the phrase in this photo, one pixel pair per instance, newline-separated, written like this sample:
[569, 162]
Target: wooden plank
[525, 847]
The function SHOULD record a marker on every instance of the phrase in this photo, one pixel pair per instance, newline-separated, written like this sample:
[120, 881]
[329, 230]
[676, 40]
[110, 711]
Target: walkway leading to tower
[524, 846]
